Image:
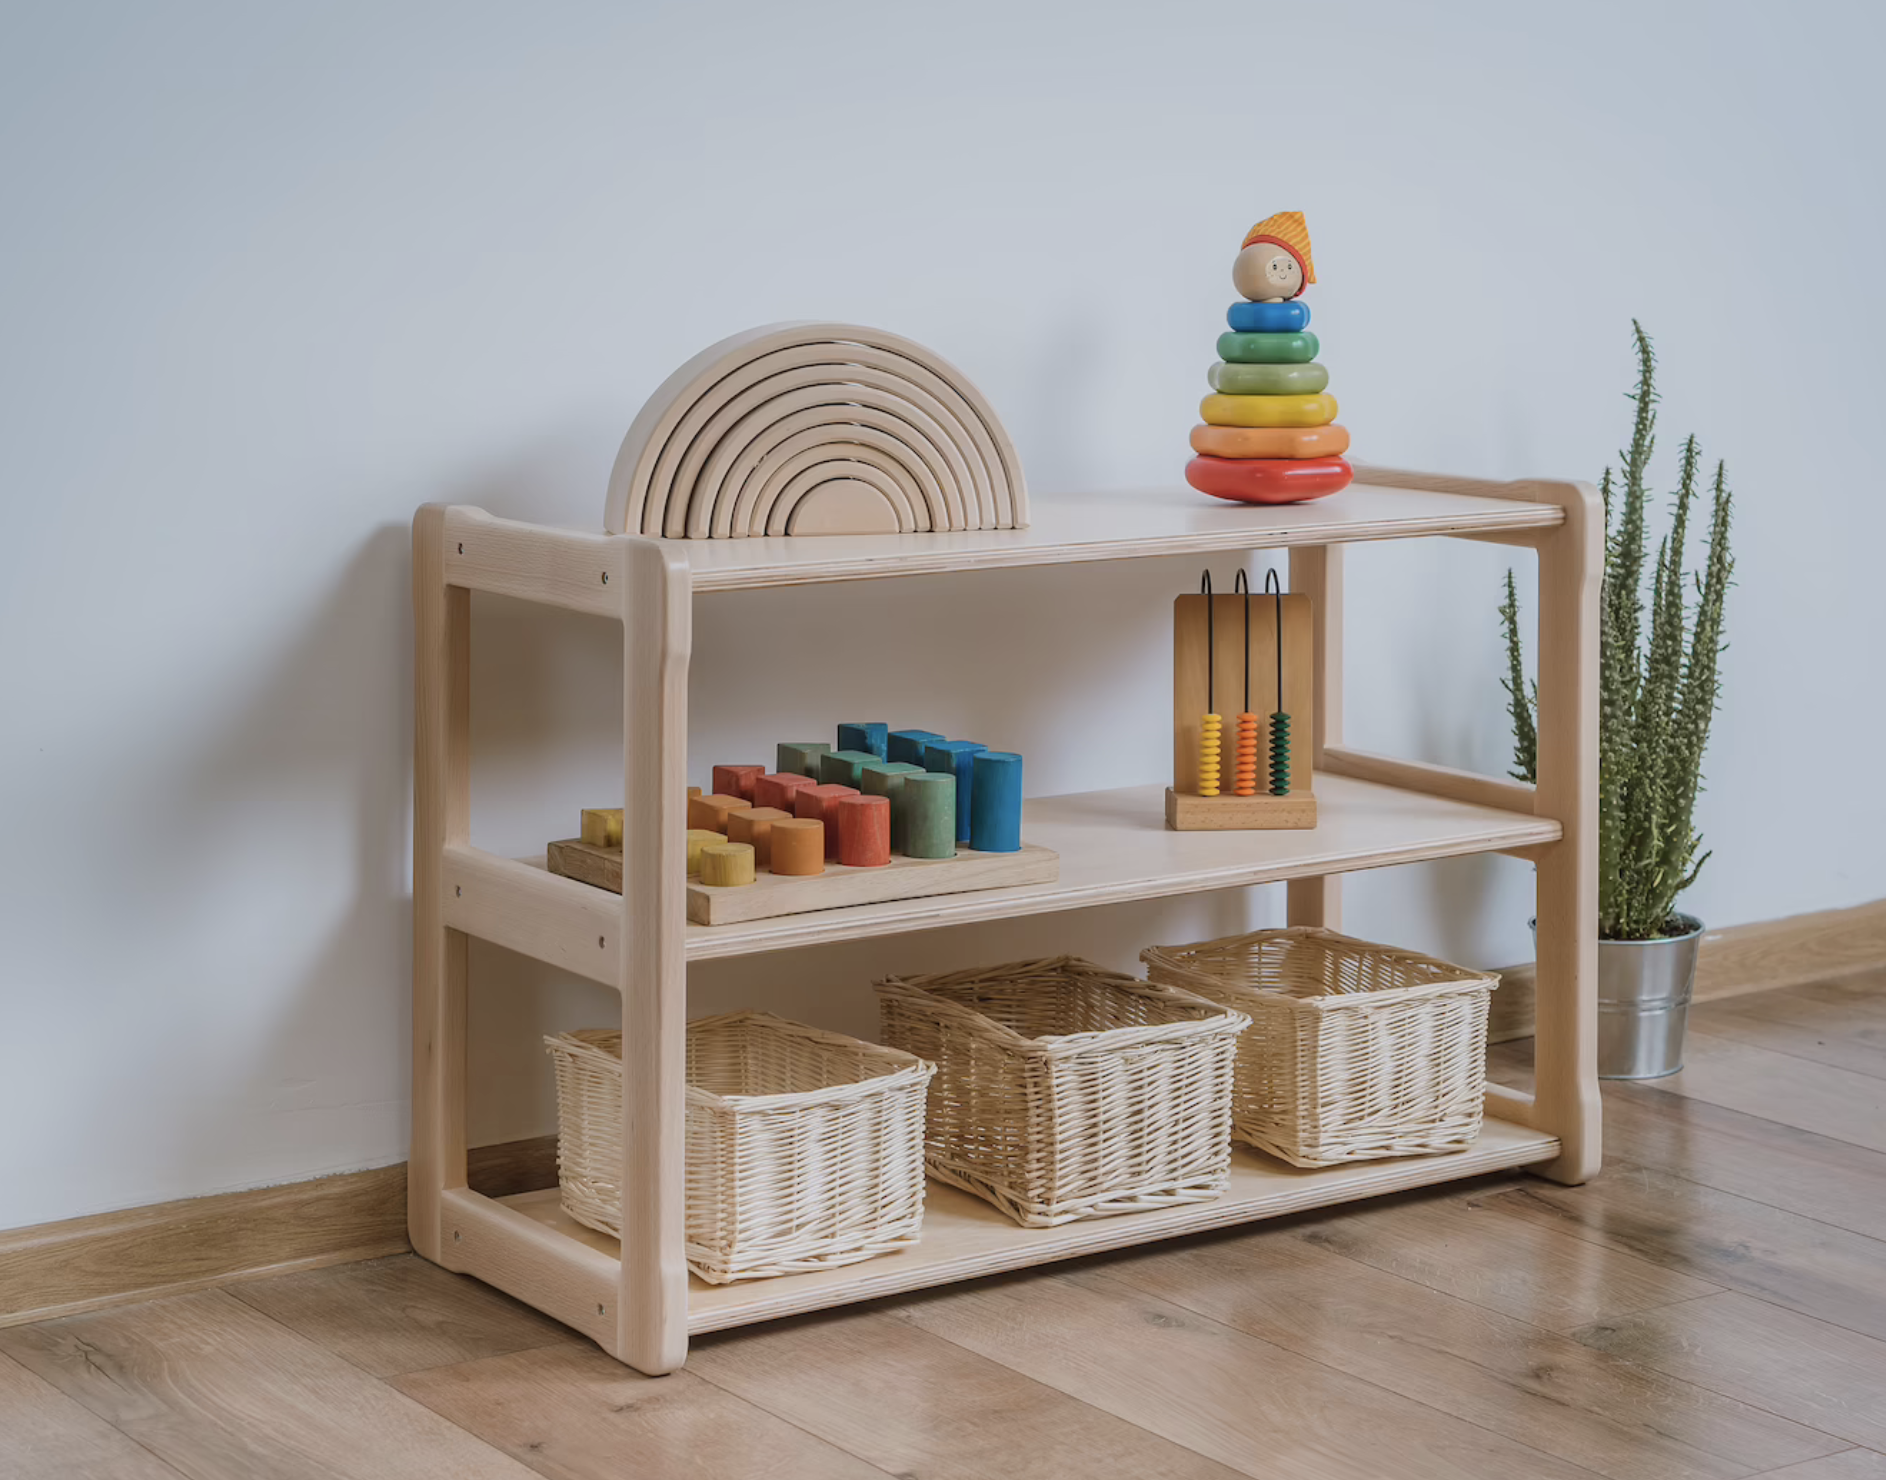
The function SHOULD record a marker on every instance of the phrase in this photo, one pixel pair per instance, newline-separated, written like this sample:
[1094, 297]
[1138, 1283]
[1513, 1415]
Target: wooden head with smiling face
[1275, 263]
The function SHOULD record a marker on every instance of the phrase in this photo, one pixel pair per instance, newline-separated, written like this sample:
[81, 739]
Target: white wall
[273, 275]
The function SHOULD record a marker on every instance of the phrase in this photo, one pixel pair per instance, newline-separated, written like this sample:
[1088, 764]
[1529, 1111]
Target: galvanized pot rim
[1696, 928]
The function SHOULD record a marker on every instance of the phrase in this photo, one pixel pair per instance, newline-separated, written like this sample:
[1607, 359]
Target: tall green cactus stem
[1656, 695]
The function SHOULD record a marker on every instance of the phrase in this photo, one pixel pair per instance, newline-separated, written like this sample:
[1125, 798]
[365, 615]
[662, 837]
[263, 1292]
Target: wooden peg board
[772, 894]
[1186, 810]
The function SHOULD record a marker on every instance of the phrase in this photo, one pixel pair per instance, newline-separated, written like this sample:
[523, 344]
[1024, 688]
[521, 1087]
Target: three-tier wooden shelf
[637, 1301]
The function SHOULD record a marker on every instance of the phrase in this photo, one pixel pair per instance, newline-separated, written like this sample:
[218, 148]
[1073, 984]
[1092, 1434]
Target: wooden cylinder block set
[1269, 434]
[801, 429]
[879, 815]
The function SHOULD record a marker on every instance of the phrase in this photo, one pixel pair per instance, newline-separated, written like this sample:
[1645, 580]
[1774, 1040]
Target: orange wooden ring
[1256, 480]
[1293, 442]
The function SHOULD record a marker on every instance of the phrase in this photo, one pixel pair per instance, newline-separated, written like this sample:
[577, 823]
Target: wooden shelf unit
[637, 1301]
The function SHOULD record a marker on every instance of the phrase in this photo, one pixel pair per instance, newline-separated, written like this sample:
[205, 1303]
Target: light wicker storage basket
[1066, 1091]
[1355, 1051]
[804, 1148]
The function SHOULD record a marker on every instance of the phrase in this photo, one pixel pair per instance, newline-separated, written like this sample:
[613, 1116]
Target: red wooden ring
[1268, 480]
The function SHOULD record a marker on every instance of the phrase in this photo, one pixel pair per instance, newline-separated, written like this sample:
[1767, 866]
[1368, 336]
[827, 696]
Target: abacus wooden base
[1187, 813]
[781, 894]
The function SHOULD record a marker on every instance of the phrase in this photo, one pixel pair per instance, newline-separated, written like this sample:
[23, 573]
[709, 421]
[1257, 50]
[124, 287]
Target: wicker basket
[1064, 1091]
[1355, 1050]
[805, 1148]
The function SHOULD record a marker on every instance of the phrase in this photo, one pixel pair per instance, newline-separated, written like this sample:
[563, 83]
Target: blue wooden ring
[1269, 318]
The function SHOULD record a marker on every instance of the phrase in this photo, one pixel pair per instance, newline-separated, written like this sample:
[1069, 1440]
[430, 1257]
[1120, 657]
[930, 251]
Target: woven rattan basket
[804, 1148]
[1064, 1091]
[1354, 1051]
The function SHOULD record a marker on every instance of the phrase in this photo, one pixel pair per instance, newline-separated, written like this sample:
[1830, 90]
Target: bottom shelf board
[963, 1237]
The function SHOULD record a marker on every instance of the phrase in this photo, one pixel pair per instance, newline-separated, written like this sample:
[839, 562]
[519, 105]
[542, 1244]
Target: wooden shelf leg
[1565, 1045]
[441, 815]
[1316, 572]
[657, 615]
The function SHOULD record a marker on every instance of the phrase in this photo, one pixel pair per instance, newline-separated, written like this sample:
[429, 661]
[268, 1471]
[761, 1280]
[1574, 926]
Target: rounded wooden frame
[814, 428]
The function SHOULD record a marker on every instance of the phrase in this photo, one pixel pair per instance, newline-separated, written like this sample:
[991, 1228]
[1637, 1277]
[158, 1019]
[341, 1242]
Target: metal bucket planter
[1644, 1002]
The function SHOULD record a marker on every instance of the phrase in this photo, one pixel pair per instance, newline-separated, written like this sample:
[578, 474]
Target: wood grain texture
[1234, 1398]
[912, 1403]
[44, 1435]
[1850, 1464]
[574, 1414]
[1506, 1375]
[169, 1248]
[1128, 524]
[510, 1167]
[1763, 1160]
[1743, 1245]
[1454, 1243]
[1229, 813]
[221, 1392]
[1810, 1096]
[389, 1316]
[1790, 1364]
[1838, 1023]
[1113, 847]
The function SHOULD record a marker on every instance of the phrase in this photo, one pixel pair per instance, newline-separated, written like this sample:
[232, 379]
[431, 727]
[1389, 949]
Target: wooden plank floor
[1712, 1306]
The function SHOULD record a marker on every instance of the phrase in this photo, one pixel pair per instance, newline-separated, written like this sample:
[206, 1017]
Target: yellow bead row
[1208, 751]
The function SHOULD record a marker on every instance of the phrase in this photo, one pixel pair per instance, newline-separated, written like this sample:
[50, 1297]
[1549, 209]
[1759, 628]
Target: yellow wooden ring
[1269, 411]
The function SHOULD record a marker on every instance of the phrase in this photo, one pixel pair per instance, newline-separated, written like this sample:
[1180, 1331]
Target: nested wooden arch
[813, 428]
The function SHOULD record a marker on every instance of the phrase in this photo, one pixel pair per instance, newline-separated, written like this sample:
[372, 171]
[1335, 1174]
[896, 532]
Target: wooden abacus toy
[1258, 647]
[1269, 434]
[880, 816]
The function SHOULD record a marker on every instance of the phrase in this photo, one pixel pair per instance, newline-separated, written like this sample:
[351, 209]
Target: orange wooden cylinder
[776, 790]
[821, 804]
[711, 811]
[737, 781]
[754, 826]
[797, 846]
[864, 831]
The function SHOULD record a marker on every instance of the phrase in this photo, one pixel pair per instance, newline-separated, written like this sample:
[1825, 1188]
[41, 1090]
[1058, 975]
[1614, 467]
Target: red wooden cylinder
[820, 803]
[776, 790]
[864, 831]
[737, 781]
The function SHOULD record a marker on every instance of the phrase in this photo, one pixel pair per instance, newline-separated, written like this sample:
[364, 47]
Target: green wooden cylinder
[930, 814]
[886, 779]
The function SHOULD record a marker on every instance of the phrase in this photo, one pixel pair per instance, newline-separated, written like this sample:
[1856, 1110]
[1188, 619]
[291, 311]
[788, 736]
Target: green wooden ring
[1268, 349]
[1268, 380]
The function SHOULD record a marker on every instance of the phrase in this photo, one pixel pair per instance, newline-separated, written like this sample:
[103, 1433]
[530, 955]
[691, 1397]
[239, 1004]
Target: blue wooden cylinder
[871, 736]
[907, 745]
[995, 803]
[957, 757]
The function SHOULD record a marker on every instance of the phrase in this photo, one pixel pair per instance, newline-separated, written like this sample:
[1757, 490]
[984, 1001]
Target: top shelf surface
[1110, 526]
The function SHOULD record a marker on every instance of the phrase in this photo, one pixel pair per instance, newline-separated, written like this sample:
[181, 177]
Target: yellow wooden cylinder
[699, 838]
[727, 865]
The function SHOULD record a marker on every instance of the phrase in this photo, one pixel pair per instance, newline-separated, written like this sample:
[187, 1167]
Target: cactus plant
[1657, 692]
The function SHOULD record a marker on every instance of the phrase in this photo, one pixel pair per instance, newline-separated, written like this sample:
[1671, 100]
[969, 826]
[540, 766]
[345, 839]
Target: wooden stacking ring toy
[1268, 411]
[1289, 317]
[1257, 480]
[1326, 441]
[1268, 349]
[814, 428]
[1268, 380]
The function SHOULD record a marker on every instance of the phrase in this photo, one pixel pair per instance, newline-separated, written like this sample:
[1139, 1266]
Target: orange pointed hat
[1290, 231]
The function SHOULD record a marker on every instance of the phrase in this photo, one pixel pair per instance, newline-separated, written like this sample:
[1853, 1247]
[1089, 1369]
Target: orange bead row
[1244, 778]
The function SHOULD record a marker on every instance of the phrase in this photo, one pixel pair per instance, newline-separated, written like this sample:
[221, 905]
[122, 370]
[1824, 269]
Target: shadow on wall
[297, 916]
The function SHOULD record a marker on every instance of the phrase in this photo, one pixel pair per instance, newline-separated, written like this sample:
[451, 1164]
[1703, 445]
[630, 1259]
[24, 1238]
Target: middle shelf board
[963, 1237]
[1114, 847]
